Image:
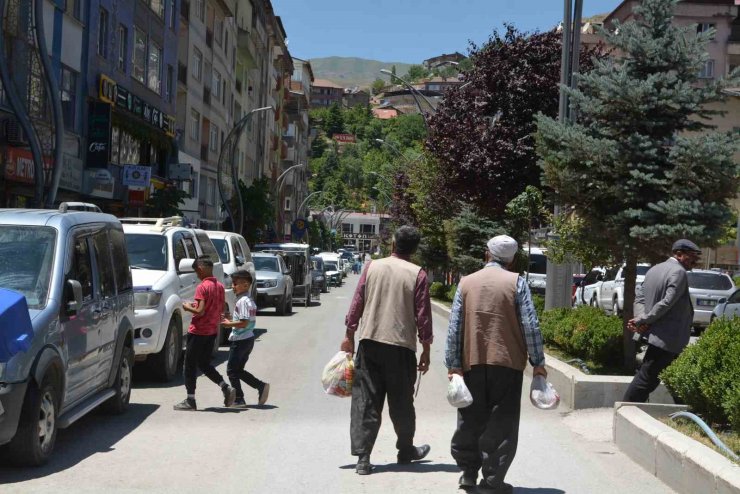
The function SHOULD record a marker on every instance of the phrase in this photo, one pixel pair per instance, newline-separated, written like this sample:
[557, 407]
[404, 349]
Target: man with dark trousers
[664, 313]
[493, 327]
[390, 308]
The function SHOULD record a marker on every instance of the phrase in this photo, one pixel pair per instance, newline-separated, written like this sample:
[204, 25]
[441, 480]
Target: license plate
[706, 303]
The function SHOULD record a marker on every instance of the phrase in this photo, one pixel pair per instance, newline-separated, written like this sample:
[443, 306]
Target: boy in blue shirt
[242, 340]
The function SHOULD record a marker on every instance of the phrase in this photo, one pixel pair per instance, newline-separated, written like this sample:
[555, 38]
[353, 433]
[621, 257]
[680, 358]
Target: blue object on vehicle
[16, 331]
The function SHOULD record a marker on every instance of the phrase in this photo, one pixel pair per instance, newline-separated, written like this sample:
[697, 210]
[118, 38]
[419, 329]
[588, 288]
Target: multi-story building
[354, 96]
[325, 93]
[445, 58]
[363, 230]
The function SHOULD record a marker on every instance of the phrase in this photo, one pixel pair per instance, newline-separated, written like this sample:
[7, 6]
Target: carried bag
[542, 394]
[458, 393]
[338, 375]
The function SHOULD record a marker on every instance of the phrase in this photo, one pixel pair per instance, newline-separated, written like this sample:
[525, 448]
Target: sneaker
[264, 392]
[416, 454]
[468, 479]
[504, 488]
[186, 405]
[363, 465]
[239, 403]
[229, 395]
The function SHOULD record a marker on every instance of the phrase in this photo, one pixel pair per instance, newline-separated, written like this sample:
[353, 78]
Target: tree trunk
[630, 273]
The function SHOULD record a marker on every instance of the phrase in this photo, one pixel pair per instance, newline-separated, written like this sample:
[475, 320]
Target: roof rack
[155, 222]
[79, 206]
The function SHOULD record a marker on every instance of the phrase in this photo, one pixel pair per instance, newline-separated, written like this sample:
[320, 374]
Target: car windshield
[709, 281]
[331, 265]
[538, 264]
[642, 270]
[26, 258]
[147, 251]
[266, 264]
[222, 248]
[317, 264]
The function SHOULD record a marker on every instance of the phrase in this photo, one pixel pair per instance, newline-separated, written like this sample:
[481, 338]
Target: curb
[440, 309]
[683, 464]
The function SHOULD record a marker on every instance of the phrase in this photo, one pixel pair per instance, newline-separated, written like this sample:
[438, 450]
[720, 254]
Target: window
[154, 77]
[218, 31]
[213, 138]
[200, 9]
[173, 14]
[197, 64]
[68, 93]
[168, 83]
[139, 58]
[211, 196]
[707, 71]
[74, 8]
[704, 27]
[104, 262]
[194, 125]
[81, 270]
[158, 7]
[118, 247]
[103, 33]
[179, 248]
[347, 228]
[367, 228]
[36, 90]
[216, 84]
[122, 47]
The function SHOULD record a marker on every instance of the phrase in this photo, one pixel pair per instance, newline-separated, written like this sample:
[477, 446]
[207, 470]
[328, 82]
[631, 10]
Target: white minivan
[536, 274]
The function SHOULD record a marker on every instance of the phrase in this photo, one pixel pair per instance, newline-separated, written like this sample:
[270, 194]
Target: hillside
[348, 71]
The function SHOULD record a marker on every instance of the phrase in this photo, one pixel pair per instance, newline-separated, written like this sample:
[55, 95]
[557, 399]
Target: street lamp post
[414, 93]
[306, 200]
[278, 186]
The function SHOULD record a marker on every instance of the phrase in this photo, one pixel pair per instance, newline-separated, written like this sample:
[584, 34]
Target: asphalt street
[299, 441]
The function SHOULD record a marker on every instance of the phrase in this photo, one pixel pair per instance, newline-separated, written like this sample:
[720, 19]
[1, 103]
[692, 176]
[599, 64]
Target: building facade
[325, 93]
[363, 230]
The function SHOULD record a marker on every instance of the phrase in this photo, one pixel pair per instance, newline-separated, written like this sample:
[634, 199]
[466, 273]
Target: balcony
[182, 74]
[207, 95]
[245, 45]
[185, 10]
[209, 38]
[204, 152]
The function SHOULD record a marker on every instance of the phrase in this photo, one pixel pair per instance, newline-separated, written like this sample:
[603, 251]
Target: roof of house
[326, 83]
[385, 113]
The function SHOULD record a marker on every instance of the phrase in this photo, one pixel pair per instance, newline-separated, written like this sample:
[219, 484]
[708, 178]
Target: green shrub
[539, 304]
[736, 279]
[451, 292]
[705, 375]
[437, 290]
[584, 332]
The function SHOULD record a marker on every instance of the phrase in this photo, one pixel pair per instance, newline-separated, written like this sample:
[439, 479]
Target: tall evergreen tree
[633, 165]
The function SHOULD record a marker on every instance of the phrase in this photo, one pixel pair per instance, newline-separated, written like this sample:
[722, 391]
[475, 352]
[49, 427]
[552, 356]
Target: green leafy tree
[258, 209]
[377, 86]
[635, 173]
[165, 201]
[416, 73]
[467, 234]
[334, 120]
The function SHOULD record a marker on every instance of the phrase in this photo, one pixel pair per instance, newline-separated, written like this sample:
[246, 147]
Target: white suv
[161, 253]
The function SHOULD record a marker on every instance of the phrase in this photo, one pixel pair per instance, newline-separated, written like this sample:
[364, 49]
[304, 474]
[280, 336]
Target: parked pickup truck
[610, 294]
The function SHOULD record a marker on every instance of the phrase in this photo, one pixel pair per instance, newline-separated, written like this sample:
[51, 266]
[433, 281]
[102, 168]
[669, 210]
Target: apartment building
[363, 230]
[325, 93]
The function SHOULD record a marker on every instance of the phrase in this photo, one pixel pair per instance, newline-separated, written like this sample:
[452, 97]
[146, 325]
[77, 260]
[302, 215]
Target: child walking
[207, 311]
[242, 340]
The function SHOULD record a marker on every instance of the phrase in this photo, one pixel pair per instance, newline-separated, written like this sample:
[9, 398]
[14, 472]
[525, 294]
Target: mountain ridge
[353, 71]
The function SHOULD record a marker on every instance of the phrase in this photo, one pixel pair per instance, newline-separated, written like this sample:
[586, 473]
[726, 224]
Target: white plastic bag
[543, 395]
[457, 392]
[338, 375]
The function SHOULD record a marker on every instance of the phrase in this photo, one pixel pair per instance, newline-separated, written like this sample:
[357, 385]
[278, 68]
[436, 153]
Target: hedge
[706, 376]
[584, 332]
[437, 290]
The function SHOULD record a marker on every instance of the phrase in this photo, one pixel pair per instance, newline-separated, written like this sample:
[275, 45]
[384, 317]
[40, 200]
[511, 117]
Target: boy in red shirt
[207, 312]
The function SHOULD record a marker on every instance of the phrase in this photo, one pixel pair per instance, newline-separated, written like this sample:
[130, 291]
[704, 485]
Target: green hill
[348, 71]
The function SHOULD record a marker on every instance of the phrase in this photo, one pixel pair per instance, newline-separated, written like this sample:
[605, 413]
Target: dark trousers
[488, 430]
[646, 380]
[238, 355]
[198, 353]
[382, 370]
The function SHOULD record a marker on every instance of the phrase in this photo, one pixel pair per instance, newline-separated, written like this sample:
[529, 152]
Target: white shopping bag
[458, 393]
[543, 395]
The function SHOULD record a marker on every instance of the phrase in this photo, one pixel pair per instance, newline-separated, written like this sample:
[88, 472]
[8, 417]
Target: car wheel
[308, 297]
[289, 309]
[324, 287]
[164, 364]
[122, 386]
[615, 308]
[37, 429]
[282, 305]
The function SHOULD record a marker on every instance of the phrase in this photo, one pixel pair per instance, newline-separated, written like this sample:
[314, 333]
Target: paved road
[299, 442]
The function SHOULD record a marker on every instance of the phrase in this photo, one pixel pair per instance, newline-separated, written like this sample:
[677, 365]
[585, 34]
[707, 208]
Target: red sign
[136, 198]
[19, 166]
[344, 138]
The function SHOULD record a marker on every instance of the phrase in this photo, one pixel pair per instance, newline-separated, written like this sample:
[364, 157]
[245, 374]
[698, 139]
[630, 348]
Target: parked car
[706, 289]
[727, 307]
[320, 276]
[161, 253]
[66, 327]
[333, 269]
[274, 284]
[610, 293]
[536, 275]
[586, 290]
[298, 259]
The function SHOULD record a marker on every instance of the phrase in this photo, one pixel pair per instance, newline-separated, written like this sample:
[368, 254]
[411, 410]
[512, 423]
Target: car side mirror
[74, 296]
[722, 300]
[186, 265]
[287, 270]
[239, 261]
[600, 277]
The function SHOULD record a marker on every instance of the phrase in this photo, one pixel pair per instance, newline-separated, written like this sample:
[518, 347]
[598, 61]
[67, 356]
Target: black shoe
[418, 453]
[363, 465]
[264, 393]
[239, 403]
[186, 405]
[485, 488]
[229, 395]
[468, 479]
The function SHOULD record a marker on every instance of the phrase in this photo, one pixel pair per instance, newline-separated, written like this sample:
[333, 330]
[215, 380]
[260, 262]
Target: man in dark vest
[663, 312]
[493, 327]
[391, 309]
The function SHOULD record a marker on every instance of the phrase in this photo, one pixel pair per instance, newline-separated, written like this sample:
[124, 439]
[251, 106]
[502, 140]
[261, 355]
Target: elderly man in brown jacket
[390, 309]
[493, 327]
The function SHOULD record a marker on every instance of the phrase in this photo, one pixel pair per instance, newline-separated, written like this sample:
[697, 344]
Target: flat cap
[685, 245]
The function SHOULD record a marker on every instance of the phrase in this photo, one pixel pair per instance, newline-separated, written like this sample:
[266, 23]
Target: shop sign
[137, 197]
[19, 166]
[136, 175]
[344, 138]
[122, 98]
[71, 178]
[359, 236]
[99, 183]
[98, 135]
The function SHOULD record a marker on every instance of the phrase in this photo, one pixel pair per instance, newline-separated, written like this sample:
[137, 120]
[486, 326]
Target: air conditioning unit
[13, 132]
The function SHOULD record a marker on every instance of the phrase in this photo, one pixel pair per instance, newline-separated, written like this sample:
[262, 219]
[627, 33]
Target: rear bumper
[11, 403]
[702, 317]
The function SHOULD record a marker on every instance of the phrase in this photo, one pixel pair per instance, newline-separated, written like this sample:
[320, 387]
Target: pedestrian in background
[493, 327]
[241, 340]
[390, 308]
[207, 309]
[664, 313]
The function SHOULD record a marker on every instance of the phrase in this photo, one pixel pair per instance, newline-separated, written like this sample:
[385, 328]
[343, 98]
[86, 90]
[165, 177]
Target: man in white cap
[493, 328]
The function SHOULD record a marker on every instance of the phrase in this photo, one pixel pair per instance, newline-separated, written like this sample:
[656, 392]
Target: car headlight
[319, 278]
[147, 299]
[270, 283]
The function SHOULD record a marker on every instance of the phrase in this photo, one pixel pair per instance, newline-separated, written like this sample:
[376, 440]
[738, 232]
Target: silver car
[274, 284]
[706, 289]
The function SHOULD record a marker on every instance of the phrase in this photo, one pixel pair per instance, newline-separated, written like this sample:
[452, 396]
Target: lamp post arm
[306, 200]
[413, 91]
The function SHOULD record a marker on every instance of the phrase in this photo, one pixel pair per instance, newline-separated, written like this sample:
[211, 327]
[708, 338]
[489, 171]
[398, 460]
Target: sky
[410, 31]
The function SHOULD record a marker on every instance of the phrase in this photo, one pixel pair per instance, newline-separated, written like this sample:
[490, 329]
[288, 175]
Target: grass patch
[692, 430]
[594, 368]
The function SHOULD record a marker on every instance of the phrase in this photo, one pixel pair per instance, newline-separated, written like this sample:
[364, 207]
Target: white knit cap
[503, 248]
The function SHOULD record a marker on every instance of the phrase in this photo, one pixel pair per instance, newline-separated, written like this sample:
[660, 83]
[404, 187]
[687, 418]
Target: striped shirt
[528, 323]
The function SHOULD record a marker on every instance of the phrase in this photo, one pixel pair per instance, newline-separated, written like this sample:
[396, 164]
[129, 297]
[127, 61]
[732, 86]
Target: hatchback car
[706, 289]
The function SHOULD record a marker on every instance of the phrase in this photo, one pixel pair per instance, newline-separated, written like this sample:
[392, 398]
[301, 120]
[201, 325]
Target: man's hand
[636, 328]
[539, 371]
[423, 366]
[348, 345]
[451, 372]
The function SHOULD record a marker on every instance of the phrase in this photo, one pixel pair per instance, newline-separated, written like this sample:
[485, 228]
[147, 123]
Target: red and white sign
[344, 138]
[19, 166]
